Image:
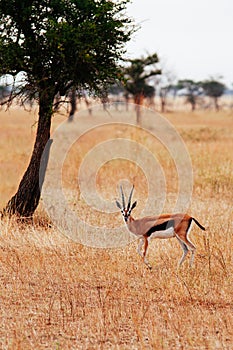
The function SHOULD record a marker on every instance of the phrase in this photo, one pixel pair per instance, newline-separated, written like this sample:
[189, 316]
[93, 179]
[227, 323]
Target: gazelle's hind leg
[182, 236]
[192, 256]
[185, 251]
[190, 246]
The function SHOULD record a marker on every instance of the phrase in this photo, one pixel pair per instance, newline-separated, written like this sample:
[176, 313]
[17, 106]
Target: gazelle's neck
[129, 222]
[132, 226]
[130, 219]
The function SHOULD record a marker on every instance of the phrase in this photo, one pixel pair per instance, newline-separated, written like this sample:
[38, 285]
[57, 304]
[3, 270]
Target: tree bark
[216, 104]
[73, 103]
[193, 104]
[26, 199]
[162, 95]
[138, 100]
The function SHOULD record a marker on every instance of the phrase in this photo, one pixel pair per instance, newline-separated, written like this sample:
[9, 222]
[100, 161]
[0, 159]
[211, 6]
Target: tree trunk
[88, 104]
[163, 104]
[73, 103]
[216, 104]
[163, 100]
[26, 200]
[138, 100]
[193, 104]
[126, 101]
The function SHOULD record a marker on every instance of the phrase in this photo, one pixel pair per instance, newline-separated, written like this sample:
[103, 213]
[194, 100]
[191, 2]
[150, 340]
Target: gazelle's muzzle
[125, 215]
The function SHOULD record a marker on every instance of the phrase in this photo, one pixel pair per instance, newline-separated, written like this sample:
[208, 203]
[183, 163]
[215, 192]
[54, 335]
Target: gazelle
[161, 226]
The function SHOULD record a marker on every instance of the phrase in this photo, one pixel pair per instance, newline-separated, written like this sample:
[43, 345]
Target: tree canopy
[213, 89]
[137, 74]
[59, 45]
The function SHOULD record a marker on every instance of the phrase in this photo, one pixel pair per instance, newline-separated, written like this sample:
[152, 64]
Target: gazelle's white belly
[169, 233]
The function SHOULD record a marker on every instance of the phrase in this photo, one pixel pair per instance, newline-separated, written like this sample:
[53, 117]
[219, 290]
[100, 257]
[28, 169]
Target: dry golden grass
[57, 294]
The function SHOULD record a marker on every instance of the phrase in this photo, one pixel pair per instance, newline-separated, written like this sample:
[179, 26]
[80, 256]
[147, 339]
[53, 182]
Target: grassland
[57, 294]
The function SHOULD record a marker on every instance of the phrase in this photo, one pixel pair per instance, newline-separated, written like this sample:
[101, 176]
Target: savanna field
[59, 294]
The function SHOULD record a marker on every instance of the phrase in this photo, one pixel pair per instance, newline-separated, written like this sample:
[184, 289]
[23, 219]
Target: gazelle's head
[126, 210]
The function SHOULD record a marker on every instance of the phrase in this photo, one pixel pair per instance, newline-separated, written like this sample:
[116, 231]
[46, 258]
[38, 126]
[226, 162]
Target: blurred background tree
[137, 75]
[214, 89]
[192, 90]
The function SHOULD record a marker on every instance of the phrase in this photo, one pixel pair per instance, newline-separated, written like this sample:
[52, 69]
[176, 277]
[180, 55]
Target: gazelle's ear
[133, 205]
[118, 204]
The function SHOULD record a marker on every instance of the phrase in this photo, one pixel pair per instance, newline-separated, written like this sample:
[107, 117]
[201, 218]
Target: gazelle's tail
[198, 224]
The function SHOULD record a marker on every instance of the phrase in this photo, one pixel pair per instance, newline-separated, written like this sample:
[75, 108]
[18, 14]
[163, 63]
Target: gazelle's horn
[123, 197]
[130, 197]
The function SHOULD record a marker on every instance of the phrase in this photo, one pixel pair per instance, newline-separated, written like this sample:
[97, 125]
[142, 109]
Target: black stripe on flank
[161, 227]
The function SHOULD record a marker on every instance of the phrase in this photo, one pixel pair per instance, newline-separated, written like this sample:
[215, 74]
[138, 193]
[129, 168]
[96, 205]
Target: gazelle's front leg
[140, 244]
[145, 251]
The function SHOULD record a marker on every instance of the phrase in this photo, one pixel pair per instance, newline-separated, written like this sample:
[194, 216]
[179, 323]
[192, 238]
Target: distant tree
[117, 93]
[74, 97]
[137, 75]
[163, 94]
[191, 89]
[149, 94]
[213, 89]
[116, 89]
[165, 85]
[73, 103]
[59, 45]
